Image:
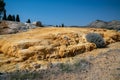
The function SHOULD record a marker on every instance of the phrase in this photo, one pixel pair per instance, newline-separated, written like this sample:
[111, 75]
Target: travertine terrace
[51, 43]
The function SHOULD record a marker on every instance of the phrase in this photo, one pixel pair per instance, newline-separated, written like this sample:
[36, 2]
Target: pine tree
[57, 26]
[17, 18]
[62, 25]
[28, 21]
[13, 18]
[4, 16]
[2, 8]
[9, 17]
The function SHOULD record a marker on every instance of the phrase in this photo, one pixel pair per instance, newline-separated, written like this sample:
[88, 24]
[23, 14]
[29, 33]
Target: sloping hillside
[115, 25]
[43, 44]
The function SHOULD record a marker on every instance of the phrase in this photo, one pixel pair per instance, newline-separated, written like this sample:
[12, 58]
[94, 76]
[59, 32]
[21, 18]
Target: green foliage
[3, 13]
[23, 75]
[9, 18]
[65, 67]
[56, 26]
[2, 8]
[17, 18]
[28, 21]
[82, 64]
[13, 18]
[62, 25]
[4, 16]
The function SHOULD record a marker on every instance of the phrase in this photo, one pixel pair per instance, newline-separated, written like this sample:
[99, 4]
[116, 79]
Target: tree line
[2, 8]
[3, 15]
[11, 17]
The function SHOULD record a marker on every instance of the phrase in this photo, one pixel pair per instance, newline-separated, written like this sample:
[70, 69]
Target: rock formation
[44, 43]
[11, 27]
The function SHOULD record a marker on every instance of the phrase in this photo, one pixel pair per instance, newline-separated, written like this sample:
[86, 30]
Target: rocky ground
[59, 54]
[99, 64]
[12, 27]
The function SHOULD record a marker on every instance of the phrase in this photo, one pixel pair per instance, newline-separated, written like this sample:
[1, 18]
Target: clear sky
[69, 12]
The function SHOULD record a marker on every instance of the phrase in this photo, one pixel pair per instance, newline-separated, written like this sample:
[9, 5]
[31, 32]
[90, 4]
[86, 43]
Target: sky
[69, 12]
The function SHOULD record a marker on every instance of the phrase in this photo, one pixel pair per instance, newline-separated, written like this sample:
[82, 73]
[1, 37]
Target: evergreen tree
[28, 21]
[17, 18]
[4, 16]
[57, 26]
[9, 17]
[62, 25]
[2, 8]
[13, 18]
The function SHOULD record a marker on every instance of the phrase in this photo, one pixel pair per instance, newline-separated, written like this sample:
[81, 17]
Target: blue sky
[69, 12]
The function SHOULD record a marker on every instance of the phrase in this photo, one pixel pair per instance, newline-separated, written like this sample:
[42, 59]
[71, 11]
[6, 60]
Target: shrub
[28, 21]
[39, 23]
[96, 38]
[83, 64]
[22, 75]
[65, 67]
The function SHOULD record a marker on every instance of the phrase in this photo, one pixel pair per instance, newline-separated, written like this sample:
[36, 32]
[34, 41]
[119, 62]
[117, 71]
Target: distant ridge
[115, 24]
